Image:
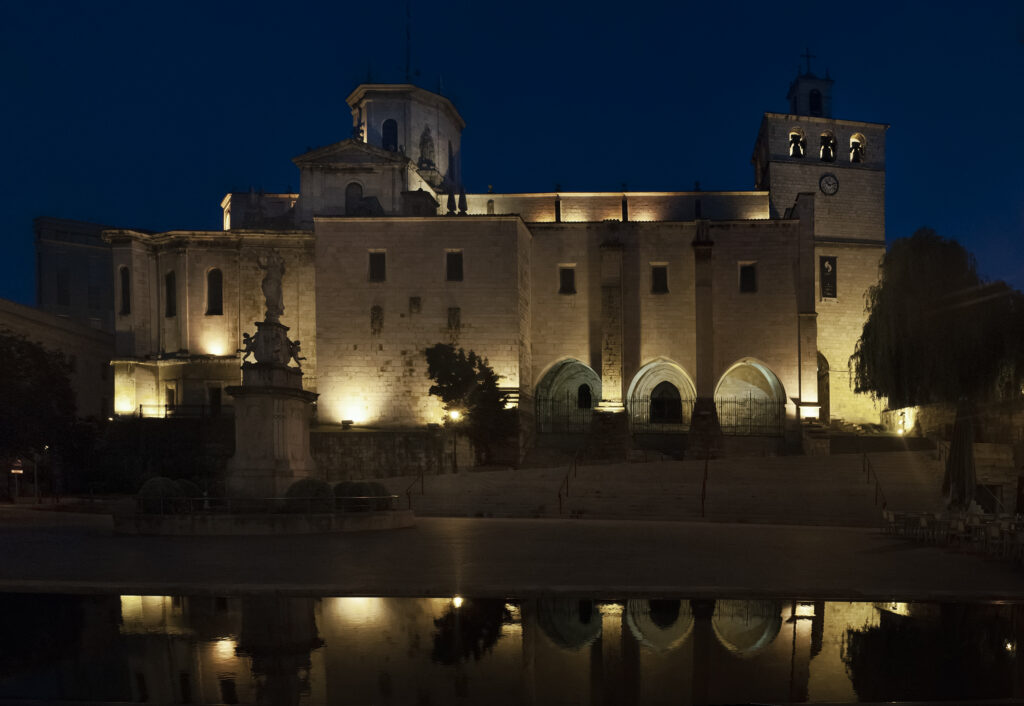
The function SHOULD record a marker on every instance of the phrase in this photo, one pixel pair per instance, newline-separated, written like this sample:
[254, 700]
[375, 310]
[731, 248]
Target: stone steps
[822, 490]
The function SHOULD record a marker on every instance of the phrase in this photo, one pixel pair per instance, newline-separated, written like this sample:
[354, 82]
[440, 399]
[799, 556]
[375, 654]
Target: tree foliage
[936, 332]
[465, 382]
[37, 405]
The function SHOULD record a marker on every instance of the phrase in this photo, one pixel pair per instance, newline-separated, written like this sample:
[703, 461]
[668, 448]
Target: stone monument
[272, 411]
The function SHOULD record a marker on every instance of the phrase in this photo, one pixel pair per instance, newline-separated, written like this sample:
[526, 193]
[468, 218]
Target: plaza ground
[71, 552]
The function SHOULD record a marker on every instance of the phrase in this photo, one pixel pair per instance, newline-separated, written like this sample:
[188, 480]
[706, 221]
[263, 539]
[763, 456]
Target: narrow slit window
[566, 280]
[170, 295]
[214, 292]
[126, 290]
[453, 266]
[378, 267]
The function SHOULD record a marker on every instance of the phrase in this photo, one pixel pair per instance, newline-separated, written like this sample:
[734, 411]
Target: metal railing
[659, 415]
[408, 490]
[871, 476]
[751, 416]
[244, 506]
[556, 415]
[183, 411]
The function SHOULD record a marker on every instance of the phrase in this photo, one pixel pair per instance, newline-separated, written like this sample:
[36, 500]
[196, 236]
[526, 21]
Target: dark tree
[470, 631]
[37, 405]
[467, 384]
[935, 331]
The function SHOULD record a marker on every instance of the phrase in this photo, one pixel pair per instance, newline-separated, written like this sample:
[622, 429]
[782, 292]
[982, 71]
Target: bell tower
[809, 94]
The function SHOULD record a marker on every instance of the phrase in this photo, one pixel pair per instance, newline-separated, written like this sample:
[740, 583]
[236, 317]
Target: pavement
[62, 552]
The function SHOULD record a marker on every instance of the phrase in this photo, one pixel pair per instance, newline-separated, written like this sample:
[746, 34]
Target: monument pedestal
[272, 414]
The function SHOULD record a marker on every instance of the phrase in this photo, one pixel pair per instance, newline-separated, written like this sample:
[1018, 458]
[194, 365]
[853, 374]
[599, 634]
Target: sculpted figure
[249, 343]
[293, 352]
[273, 268]
[426, 149]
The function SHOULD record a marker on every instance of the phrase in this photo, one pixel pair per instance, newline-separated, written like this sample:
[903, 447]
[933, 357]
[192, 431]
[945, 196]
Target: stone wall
[87, 350]
[357, 454]
[372, 335]
[841, 320]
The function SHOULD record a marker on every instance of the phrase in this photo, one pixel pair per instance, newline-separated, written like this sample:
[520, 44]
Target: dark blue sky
[144, 115]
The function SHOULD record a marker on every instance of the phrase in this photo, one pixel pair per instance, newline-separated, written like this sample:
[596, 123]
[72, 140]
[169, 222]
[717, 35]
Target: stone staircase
[803, 490]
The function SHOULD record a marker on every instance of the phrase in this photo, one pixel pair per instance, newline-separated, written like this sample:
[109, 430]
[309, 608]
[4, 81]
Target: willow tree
[937, 332]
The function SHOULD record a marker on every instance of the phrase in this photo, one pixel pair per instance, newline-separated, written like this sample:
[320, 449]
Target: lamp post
[17, 469]
[454, 417]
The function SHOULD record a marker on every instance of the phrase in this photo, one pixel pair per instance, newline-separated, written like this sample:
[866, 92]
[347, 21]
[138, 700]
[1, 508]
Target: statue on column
[273, 269]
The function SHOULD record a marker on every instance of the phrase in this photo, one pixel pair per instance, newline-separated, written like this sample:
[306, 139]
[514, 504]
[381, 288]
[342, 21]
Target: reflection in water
[209, 650]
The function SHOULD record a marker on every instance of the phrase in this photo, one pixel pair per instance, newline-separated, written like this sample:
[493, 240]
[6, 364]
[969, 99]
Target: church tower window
[389, 135]
[659, 279]
[214, 292]
[748, 277]
[353, 198]
[814, 102]
[827, 151]
[453, 266]
[797, 143]
[857, 146]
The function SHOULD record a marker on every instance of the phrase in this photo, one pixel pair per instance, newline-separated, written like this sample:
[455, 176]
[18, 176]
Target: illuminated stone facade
[386, 256]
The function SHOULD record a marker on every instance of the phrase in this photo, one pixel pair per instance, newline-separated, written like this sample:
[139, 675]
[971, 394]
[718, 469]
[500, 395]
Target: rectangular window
[453, 266]
[214, 396]
[415, 304]
[748, 277]
[378, 267]
[454, 318]
[566, 280]
[63, 287]
[170, 295]
[659, 279]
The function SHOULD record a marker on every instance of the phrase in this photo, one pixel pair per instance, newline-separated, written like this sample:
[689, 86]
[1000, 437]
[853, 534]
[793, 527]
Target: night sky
[139, 114]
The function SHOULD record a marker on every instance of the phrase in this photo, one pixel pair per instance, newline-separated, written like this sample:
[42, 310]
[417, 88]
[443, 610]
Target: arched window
[666, 405]
[126, 290]
[490, 207]
[353, 198]
[389, 135]
[797, 143]
[584, 398]
[814, 102]
[827, 152]
[214, 292]
[170, 295]
[857, 147]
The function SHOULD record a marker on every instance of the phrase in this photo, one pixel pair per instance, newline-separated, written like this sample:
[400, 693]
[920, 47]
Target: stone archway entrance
[566, 397]
[825, 412]
[750, 400]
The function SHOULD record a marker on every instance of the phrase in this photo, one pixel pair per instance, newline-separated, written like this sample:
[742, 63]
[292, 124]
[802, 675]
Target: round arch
[656, 372]
[750, 377]
[571, 624]
[746, 627]
[565, 396]
[661, 625]
[563, 378]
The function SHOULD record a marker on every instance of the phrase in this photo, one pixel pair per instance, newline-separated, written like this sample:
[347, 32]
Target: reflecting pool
[366, 650]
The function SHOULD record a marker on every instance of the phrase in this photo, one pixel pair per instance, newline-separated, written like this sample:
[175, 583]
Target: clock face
[828, 184]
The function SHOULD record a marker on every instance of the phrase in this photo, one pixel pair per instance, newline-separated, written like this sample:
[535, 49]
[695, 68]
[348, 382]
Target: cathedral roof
[350, 151]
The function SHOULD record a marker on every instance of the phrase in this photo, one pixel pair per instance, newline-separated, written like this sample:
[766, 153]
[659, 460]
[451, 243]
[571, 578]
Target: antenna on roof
[408, 41]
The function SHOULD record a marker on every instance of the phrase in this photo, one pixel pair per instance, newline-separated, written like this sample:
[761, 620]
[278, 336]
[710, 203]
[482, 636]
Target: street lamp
[455, 416]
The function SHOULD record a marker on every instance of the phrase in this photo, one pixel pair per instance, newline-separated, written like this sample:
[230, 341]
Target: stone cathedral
[629, 304]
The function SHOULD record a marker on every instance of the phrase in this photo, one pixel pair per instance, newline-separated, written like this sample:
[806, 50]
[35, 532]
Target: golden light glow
[355, 609]
[358, 413]
[455, 415]
[457, 601]
[224, 649]
[804, 610]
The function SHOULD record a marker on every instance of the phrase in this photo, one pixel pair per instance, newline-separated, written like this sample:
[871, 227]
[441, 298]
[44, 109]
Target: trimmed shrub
[309, 494]
[161, 495]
